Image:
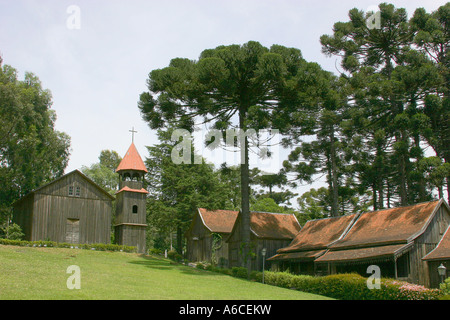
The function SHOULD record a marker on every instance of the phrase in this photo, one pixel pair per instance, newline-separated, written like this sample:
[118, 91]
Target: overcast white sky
[97, 72]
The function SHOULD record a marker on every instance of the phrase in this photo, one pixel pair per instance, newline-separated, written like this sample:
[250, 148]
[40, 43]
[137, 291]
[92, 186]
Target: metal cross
[132, 134]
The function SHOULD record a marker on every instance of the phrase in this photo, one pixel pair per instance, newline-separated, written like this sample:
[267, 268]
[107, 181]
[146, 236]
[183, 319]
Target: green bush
[279, 279]
[175, 256]
[93, 246]
[256, 276]
[155, 251]
[354, 287]
[239, 272]
[445, 287]
[13, 232]
[350, 287]
[201, 265]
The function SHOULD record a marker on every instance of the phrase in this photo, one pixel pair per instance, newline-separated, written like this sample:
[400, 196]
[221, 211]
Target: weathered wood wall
[419, 269]
[256, 245]
[131, 235]
[44, 214]
[199, 242]
[125, 201]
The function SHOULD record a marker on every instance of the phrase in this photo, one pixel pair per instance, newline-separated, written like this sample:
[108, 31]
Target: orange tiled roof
[318, 234]
[221, 221]
[274, 225]
[300, 255]
[388, 226]
[126, 188]
[132, 161]
[377, 252]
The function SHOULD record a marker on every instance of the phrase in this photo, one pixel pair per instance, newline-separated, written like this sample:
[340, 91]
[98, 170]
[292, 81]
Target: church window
[135, 209]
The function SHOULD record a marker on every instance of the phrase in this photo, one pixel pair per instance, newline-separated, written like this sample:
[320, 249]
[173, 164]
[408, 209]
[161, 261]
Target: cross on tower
[132, 134]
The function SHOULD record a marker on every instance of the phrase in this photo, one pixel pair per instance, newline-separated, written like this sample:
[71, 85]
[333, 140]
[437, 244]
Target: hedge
[339, 286]
[351, 287]
[93, 246]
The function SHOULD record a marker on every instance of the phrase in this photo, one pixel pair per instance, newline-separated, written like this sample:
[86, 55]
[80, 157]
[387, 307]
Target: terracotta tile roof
[300, 255]
[132, 161]
[389, 226]
[274, 225]
[126, 188]
[221, 221]
[318, 234]
[363, 254]
[442, 251]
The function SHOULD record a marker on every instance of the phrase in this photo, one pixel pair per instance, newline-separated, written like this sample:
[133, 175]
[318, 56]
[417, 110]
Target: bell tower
[130, 224]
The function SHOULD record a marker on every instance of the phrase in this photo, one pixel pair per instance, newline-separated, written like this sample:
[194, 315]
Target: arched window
[135, 209]
[126, 177]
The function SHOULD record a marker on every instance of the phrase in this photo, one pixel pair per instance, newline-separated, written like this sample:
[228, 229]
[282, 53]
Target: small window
[77, 191]
[135, 209]
[70, 190]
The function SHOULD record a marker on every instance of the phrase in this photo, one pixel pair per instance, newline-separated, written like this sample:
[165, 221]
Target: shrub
[155, 251]
[256, 276]
[351, 287]
[279, 279]
[445, 287]
[201, 265]
[239, 272]
[41, 243]
[175, 256]
[13, 232]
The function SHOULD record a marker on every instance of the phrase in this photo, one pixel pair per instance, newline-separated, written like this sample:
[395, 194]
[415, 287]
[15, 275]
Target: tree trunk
[245, 194]
[179, 240]
[374, 195]
[334, 180]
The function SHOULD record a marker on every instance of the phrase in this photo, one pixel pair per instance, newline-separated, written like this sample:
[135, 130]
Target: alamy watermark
[73, 21]
[263, 146]
[374, 281]
[374, 20]
[74, 280]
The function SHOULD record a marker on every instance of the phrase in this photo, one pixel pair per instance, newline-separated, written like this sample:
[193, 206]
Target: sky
[95, 56]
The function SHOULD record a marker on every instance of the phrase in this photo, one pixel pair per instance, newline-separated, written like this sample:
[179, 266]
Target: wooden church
[74, 209]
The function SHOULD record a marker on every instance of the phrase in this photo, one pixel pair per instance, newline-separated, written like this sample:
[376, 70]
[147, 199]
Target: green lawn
[40, 273]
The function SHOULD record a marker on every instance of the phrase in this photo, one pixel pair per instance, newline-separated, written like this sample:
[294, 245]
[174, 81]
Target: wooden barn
[271, 231]
[208, 229]
[395, 239]
[71, 209]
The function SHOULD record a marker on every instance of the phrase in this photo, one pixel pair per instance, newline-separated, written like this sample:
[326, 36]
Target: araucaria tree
[240, 87]
[398, 72]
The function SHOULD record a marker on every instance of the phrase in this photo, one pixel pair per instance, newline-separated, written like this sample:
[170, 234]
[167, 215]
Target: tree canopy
[32, 152]
[244, 86]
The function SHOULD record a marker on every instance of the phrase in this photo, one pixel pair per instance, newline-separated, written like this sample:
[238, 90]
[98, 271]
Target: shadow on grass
[165, 264]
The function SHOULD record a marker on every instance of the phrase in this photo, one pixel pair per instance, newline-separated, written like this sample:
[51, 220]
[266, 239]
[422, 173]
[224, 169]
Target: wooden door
[73, 231]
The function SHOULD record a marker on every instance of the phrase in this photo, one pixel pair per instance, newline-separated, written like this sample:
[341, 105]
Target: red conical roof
[132, 161]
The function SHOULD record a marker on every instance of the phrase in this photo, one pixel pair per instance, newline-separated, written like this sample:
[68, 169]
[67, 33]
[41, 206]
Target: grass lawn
[40, 273]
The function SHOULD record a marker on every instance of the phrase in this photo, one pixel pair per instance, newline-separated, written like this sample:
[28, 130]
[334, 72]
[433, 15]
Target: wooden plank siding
[124, 208]
[272, 243]
[199, 242]
[424, 244]
[43, 214]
